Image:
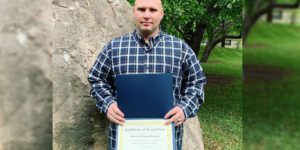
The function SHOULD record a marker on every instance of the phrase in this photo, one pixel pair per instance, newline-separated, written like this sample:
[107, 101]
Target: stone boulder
[80, 30]
[26, 75]
[192, 136]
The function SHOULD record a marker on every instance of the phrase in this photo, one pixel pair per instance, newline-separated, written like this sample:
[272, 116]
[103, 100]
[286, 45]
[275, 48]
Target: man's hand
[177, 116]
[115, 115]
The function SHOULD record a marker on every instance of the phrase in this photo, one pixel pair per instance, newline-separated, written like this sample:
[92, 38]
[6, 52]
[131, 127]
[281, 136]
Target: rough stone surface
[25, 75]
[80, 30]
[192, 136]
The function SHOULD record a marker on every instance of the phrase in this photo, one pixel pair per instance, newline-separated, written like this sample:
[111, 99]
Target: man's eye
[153, 10]
[141, 9]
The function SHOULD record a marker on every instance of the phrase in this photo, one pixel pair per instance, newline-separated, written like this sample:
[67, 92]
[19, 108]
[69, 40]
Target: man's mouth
[146, 23]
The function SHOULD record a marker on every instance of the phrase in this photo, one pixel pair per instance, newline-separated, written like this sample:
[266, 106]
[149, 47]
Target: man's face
[148, 14]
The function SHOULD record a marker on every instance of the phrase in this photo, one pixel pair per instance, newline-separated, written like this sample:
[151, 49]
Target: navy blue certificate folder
[145, 95]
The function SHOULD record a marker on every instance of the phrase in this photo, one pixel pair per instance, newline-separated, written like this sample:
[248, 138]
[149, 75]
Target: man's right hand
[115, 115]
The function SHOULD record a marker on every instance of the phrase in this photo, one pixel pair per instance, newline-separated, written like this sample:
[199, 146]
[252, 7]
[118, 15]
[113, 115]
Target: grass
[221, 114]
[270, 108]
[271, 114]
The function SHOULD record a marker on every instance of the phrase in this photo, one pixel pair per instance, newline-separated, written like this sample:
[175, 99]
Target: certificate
[145, 134]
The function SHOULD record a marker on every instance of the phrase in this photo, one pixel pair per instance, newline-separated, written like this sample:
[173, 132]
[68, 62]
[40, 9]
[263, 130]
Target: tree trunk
[269, 15]
[246, 28]
[223, 42]
[223, 39]
[196, 39]
[206, 52]
[208, 48]
[249, 21]
[270, 12]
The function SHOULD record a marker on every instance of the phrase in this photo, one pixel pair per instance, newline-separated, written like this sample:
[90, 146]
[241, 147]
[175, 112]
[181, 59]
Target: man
[148, 51]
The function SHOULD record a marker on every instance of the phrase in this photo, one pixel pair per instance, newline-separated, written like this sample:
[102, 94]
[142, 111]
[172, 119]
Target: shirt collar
[152, 41]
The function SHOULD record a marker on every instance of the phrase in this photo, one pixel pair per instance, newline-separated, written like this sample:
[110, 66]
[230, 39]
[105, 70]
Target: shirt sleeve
[101, 81]
[192, 85]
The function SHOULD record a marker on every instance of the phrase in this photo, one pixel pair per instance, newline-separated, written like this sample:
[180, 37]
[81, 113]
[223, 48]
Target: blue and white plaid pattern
[130, 54]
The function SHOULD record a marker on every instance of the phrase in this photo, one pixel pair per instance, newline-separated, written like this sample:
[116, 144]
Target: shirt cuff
[184, 108]
[106, 104]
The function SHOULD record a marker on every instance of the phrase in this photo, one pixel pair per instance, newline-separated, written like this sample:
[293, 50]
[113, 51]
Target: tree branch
[234, 36]
[287, 6]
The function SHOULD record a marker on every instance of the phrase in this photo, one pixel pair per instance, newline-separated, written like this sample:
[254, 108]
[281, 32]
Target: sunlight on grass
[221, 114]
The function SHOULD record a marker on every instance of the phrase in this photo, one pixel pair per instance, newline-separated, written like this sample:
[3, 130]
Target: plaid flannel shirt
[130, 54]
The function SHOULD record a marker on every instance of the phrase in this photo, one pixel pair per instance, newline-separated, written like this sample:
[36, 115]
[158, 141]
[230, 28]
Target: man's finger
[173, 119]
[178, 123]
[117, 117]
[114, 120]
[170, 113]
[118, 111]
[168, 122]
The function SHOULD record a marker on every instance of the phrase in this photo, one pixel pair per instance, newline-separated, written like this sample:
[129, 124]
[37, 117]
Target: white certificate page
[145, 134]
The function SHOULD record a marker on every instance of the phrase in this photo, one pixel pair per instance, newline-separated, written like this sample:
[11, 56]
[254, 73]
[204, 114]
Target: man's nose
[147, 14]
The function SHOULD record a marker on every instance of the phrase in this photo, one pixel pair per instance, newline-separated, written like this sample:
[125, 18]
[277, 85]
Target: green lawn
[271, 116]
[221, 114]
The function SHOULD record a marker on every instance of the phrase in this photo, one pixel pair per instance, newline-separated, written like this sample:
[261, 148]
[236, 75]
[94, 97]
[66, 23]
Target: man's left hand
[177, 116]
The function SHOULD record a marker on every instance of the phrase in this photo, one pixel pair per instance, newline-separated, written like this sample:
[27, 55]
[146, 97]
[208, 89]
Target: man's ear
[163, 13]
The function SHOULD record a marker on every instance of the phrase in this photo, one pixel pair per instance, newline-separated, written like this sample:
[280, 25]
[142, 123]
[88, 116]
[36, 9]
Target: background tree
[199, 20]
[254, 9]
[223, 20]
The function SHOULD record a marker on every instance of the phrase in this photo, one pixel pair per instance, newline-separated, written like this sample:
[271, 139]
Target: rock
[26, 75]
[192, 136]
[80, 30]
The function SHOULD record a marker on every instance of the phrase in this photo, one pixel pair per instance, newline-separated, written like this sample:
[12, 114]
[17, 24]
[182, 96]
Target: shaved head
[148, 15]
[159, 2]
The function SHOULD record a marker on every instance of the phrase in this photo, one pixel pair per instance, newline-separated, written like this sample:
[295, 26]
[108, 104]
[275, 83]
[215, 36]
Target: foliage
[182, 17]
[229, 11]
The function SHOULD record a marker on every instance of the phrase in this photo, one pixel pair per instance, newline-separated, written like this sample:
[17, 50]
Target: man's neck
[147, 37]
